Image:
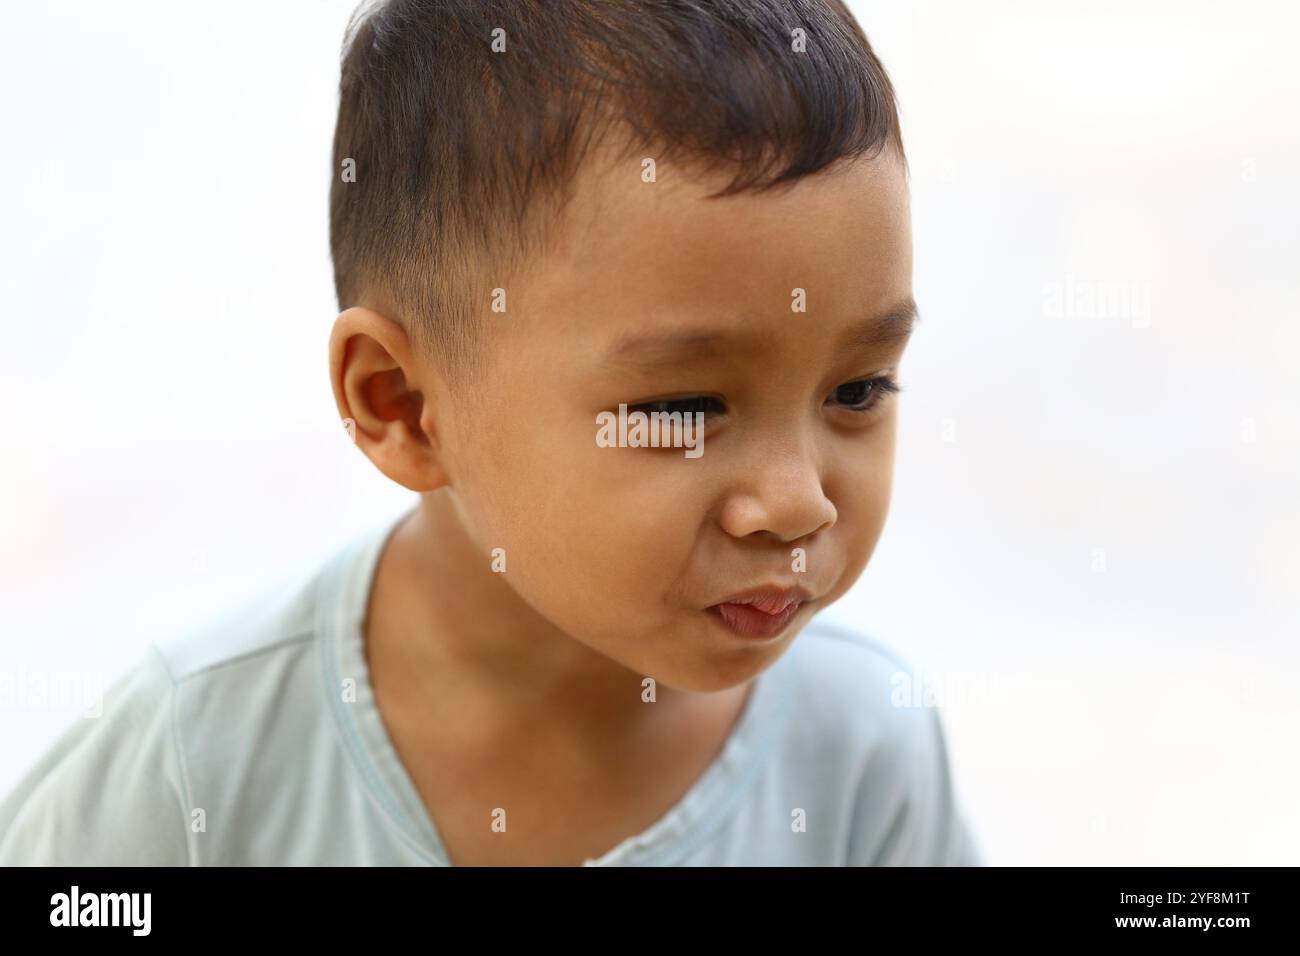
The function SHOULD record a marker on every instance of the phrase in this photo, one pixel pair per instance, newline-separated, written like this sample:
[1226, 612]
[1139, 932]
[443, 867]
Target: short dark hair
[450, 140]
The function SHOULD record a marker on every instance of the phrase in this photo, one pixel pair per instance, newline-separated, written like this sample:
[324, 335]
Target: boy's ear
[375, 377]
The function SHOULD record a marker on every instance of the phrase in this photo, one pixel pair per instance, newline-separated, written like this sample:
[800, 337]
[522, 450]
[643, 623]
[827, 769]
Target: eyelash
[881, 388]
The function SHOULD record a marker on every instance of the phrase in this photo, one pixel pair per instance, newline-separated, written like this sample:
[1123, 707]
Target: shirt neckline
[340, 613]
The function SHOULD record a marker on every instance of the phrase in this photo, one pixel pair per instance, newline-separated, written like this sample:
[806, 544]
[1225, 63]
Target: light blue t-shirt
[233, 744]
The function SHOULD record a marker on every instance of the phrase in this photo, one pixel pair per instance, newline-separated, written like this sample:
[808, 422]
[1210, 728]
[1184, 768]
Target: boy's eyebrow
[650, 349]
[895, 325]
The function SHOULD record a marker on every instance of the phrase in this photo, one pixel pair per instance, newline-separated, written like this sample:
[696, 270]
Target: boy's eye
[865, 394]
[862, 395]
[686, 406]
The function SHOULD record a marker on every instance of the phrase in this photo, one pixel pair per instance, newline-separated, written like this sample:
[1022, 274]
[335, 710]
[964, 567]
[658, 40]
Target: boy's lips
[760, 612]
[770, 599]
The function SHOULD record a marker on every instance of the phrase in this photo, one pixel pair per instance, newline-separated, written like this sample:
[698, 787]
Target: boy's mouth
[760, 612]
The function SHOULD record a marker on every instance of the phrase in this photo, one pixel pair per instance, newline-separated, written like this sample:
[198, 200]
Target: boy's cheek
[618, 555]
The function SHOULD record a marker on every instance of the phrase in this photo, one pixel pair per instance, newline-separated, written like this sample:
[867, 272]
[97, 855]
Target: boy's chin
[710, 656]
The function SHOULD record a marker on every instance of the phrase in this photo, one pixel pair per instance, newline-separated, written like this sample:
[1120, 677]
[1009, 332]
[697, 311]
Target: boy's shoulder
[110, 789]
[277, 619]
[866, 715]
[120, 786]
[856, 681]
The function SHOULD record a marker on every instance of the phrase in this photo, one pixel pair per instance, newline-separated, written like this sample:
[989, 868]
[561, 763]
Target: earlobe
[376, 386]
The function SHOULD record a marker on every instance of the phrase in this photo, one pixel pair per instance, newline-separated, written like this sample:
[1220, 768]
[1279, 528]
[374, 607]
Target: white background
[1093, 543]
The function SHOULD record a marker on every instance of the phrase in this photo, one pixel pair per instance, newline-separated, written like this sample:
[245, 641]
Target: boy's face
[626, 549]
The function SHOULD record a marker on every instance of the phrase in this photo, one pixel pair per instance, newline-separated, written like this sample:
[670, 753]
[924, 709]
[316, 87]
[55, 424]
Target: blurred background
[1092, 550]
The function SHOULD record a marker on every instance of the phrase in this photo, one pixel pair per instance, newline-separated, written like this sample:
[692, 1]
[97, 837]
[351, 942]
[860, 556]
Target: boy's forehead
[612, 202]
[628, 253]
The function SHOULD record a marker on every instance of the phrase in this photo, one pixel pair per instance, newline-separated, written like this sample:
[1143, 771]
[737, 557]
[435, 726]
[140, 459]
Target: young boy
[551, 224]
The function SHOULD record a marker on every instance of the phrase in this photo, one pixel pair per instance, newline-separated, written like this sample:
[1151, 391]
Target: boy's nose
[781, 494]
